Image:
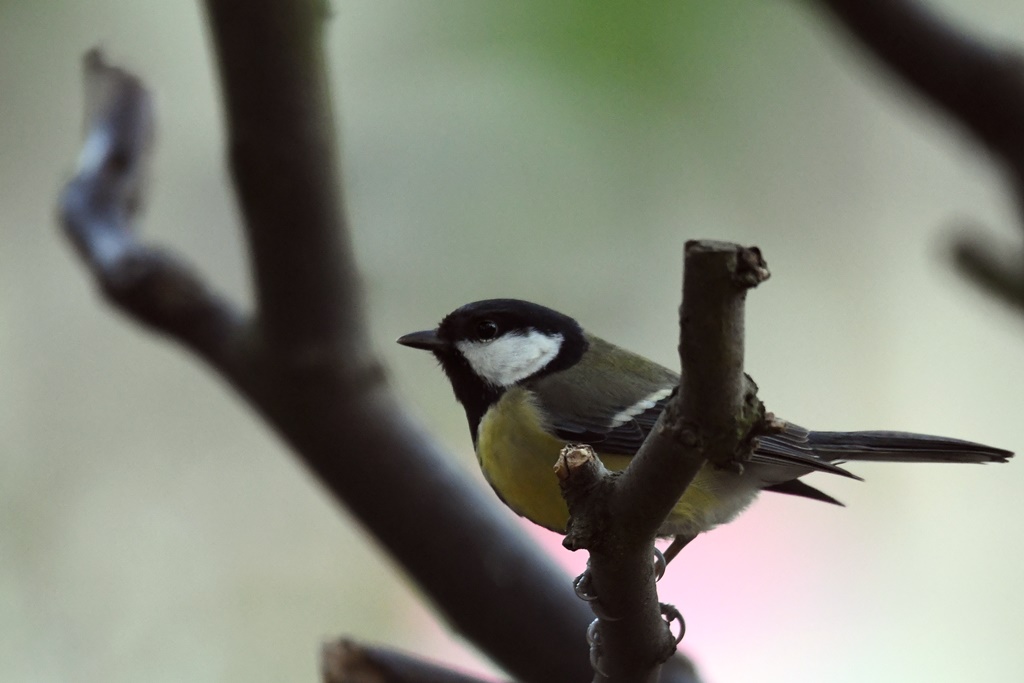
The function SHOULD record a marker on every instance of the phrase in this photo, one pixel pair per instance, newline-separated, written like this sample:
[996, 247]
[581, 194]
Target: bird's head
[487, 347]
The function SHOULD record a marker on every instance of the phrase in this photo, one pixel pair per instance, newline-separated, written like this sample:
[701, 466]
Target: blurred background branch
[98, 209]
[307, 366]
[976, 82]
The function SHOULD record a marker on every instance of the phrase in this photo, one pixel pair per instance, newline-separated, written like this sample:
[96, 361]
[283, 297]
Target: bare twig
[979, 85]
[616, 517]
[345, 661]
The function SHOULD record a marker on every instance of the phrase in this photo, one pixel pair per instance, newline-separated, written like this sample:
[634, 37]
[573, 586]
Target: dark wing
[789, 448]
[600, 432]
[625, 394]
[622, 398]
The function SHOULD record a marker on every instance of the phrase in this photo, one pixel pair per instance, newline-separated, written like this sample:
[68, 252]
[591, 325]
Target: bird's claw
[584, 588]
[670, 613]
[660, 565]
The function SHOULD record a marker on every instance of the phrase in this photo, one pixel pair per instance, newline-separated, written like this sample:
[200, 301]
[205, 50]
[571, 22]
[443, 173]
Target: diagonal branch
[323, 387]
[304, 362]
[711, 419]
[98, 209]
[980, 86]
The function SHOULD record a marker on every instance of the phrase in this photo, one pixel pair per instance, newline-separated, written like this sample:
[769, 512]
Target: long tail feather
[900, 447]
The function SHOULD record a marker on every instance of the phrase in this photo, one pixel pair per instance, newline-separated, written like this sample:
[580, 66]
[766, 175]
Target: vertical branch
[304, 361]
[322, 386]
[712, 418]
[714, 392]
[283, 152]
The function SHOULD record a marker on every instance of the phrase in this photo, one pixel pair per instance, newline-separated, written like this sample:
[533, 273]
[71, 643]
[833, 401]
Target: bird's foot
[670, 613]
[661, 559]
[584, 587]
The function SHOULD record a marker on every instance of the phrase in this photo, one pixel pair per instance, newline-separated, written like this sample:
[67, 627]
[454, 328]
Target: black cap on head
[481, 322]
[474, 321]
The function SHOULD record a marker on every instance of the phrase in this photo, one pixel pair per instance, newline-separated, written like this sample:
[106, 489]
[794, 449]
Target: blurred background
[152, 528]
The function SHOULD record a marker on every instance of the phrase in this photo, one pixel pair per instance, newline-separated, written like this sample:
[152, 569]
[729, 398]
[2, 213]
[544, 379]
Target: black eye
[486, 330]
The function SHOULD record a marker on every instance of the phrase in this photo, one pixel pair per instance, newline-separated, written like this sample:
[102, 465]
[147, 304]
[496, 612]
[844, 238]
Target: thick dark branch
[979, 85]
[319, 384]
[98, 208]
[283, 153]
[345, 661]
[711, 418]
[322, 385]
[715, 395]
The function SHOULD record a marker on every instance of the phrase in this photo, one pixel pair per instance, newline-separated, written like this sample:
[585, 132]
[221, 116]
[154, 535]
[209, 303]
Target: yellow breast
[518, 457]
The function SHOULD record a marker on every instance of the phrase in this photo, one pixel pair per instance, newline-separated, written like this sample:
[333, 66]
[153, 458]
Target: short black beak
[426, 340]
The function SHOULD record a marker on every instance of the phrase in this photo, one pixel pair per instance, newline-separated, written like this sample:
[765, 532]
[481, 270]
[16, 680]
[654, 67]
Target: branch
[991, 269]
[323, 386]
[345, 661]
[712, 418]
[283, 154]
[304, 362]
[98, 209]
[979, 85]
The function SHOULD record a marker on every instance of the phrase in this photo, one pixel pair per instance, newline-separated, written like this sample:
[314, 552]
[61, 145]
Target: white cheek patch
[624, 416]
[512, 357]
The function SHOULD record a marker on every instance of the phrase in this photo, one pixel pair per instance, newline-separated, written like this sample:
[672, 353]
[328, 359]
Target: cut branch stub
[714, 416]
[585, 484]
[718, 402]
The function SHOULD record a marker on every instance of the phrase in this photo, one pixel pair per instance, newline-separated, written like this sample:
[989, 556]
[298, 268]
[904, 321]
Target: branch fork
[303, 359]
[713, 418]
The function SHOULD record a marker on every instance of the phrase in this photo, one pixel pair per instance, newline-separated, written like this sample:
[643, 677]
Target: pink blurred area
[760, 584]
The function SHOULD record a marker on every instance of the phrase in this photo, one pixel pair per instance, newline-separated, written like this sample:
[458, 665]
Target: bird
[531, 381]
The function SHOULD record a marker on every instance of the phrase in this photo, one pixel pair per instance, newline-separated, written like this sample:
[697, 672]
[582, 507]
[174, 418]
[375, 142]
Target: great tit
[532, 380]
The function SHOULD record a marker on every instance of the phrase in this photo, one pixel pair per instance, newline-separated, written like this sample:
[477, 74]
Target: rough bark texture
[711, 418]
[302, 359]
